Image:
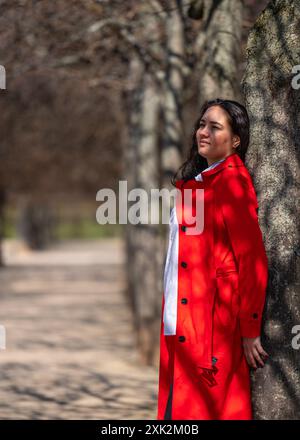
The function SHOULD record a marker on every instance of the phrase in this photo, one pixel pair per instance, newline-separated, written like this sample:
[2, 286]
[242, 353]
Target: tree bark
[143, 244]
[218, 48]
[173, 90]
[153, 155]
[273, 157]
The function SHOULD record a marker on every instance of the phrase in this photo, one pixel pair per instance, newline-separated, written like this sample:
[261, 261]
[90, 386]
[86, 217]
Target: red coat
[222, 280]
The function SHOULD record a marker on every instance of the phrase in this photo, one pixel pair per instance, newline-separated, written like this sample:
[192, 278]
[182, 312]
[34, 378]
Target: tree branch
[150, 61]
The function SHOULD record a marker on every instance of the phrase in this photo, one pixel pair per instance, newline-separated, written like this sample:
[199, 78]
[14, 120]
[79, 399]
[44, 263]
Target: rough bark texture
[273, 159]
[173, 90]
[220, 49]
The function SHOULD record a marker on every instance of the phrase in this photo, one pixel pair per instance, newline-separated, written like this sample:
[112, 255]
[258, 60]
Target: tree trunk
[219, 48]
[273, 103]
[173, 89]
[2, 206]
[150, 164]
[35, 225]
[143, 240]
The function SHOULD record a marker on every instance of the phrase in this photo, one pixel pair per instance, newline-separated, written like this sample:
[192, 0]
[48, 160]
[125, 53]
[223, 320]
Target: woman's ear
[236, 141]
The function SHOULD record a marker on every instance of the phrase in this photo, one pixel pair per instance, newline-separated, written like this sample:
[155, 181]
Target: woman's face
[214, 136]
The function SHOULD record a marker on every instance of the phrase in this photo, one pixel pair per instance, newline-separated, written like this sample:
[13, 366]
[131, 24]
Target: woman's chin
[203, 151]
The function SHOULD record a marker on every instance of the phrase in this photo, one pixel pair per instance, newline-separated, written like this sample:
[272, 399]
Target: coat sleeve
[240, 213]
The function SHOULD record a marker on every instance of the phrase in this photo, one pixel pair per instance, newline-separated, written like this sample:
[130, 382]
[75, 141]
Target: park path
[69, 337]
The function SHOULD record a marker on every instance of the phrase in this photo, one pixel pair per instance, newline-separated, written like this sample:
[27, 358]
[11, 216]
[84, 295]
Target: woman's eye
[201, 125]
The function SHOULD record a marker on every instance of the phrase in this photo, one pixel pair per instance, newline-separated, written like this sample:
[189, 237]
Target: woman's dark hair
[239, 121]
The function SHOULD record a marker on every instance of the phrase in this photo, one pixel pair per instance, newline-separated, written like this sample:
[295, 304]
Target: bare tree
[218, 47]
[56, 117]
[142, 171]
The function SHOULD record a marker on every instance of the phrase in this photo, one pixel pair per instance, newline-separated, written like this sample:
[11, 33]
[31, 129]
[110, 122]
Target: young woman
[215, 281]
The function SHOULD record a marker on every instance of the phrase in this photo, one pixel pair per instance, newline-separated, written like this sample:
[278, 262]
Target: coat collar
[213, 165]
[233, 160]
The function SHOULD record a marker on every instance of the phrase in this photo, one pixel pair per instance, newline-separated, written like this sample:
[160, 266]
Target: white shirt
[171, 269]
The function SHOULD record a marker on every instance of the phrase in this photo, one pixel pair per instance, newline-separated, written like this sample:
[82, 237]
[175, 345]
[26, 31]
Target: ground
[70, 347]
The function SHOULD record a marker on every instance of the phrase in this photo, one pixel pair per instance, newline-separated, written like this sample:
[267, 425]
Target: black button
[183, 228]
[184, 300]
[230, 166]
[181, 338]
[255, 315]
[183, 264]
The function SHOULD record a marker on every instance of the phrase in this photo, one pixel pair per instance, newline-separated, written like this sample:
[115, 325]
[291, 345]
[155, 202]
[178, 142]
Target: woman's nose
[203, 133]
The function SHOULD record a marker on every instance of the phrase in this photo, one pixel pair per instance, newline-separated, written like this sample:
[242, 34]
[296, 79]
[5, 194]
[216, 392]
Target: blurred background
[96, 92]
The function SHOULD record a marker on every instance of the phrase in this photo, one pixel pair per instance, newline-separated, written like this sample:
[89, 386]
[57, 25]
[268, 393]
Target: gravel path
[69, 341]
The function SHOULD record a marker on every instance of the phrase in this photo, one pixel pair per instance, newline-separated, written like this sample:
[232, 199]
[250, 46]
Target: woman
[215, 281]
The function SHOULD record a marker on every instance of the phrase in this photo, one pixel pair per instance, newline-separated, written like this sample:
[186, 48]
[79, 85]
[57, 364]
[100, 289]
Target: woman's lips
[204, 142]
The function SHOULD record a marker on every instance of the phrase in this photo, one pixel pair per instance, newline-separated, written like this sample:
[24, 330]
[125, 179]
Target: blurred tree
[2, 218]
[219, 47]
[58, 128]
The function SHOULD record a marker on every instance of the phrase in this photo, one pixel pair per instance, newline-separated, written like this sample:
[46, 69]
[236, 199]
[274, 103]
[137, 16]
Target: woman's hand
[254, 352]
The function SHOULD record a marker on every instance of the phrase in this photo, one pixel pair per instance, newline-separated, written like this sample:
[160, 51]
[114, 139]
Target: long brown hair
[239, 121]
